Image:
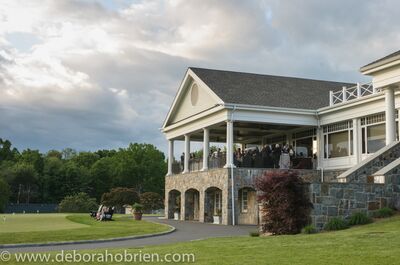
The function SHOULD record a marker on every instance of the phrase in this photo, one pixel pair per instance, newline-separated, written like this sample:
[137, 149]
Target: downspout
[232, 177]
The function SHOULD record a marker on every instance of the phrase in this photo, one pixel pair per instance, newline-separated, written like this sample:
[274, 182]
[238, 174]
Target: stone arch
[174, 203]
[247, 206]
[212, 203]
[192, 204]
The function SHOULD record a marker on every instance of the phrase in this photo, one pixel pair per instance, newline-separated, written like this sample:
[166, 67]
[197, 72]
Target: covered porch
[245, 144]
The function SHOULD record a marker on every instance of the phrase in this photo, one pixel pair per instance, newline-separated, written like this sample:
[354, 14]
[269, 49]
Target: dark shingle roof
[268, 90]
[383, 60]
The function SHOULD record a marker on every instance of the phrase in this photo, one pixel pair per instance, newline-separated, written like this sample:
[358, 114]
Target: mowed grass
[41, 228]
[36, 222]
[376, 243]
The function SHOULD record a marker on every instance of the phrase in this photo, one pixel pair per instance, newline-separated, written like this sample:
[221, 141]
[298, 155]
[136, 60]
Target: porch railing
[196, 164]
[351, 93]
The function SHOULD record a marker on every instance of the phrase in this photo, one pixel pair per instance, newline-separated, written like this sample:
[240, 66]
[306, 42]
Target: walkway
[185, 231]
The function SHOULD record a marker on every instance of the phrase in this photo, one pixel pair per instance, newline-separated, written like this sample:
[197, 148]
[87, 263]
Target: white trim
[181, 90]
[379, 66]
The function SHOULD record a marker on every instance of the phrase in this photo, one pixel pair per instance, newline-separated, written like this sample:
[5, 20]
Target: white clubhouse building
[340, 124]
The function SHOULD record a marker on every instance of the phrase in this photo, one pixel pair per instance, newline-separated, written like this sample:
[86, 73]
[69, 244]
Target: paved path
[185, 231]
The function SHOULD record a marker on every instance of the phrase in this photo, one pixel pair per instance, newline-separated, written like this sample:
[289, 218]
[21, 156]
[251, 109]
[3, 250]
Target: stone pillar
[183, 206]
[229, 144]
[202, 198]
[390, 115]
[206, 148]
[166, 204]
[170, 156]
[187, 154]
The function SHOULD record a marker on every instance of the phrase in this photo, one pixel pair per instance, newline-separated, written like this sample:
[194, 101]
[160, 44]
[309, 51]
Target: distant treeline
[33, 177]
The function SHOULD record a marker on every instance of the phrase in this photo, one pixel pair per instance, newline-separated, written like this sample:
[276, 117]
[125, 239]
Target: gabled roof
[268, 90]
[384, 60]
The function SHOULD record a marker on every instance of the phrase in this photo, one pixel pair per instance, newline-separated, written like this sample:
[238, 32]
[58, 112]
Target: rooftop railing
[352, 93]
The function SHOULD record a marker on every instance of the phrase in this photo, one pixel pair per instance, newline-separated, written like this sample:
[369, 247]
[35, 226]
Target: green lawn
[34, 228]
[376, 243]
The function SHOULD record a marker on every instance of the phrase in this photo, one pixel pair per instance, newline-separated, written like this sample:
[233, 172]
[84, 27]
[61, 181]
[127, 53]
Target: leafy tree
[78, 203]
[151, 201]
[4, 194]
[286, 206]
[86, 159]
[68, 153]
[54, 153]
[24, 181]
[6, 152]
[52, 180]
[101, 175]
[32, 157]
[119, 197]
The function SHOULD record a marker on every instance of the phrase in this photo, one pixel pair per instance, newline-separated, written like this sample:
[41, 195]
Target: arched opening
[247, 206]
[192, 205]
[174, 204]
[213, 205]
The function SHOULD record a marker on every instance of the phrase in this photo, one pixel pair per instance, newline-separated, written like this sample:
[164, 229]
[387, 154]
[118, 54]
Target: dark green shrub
[78, 203]
[151, 201]
[383, 212]
[286, 204]
[359, 219]
[254, 234]
[118, 197]
[336, 224]
[309, 229]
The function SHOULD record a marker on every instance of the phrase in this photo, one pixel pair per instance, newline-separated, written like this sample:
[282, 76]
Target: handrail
[352, 93]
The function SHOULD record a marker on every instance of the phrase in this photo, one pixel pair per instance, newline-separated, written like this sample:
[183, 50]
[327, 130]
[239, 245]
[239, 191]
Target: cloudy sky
[100, 74]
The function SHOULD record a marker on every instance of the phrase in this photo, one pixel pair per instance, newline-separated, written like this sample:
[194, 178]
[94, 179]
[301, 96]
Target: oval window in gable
[194, 94]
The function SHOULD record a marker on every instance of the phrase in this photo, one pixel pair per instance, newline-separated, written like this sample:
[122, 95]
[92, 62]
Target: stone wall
[200, 181]
[342, 199]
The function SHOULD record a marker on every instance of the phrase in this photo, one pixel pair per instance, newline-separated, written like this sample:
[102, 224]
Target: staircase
[374, 168]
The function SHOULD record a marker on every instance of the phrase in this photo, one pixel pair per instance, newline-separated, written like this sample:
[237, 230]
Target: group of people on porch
[270, 156]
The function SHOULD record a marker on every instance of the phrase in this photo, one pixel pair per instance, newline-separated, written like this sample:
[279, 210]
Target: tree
[151, 201]
[286, 206]
[86, 159]
[24, 181]
[4, 194]
[101, 176]
[119, 197]
[68, 153]
[6, 153]
[32, 157]
[142, 166]
[78, 203]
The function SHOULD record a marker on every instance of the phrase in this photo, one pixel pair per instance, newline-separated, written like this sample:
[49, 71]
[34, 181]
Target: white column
[206, 148]
[320, 147]
[187, 154]
[356, 140]
[390, 116]
[398, 112]
[229, 144]
[170, 156]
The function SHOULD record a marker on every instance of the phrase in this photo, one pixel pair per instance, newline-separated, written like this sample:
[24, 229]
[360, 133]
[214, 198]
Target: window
[338, 139]
[244, 203]
[373, 133]
[376, 138]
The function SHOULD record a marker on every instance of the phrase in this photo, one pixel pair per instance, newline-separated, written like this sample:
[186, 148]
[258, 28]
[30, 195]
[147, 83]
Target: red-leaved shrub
[286, 206]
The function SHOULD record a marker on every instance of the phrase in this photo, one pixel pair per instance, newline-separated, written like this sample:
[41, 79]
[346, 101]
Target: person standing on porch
[284, 161]
[182, 161]
[276, 154]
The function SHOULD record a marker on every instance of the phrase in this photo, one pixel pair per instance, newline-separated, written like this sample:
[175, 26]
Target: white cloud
[89, 75]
